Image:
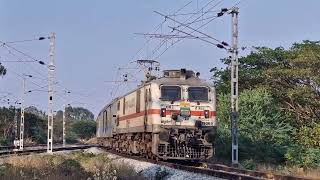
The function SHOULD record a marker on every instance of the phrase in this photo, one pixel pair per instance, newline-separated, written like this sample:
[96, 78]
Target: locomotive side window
[170, 93]
[198, 94]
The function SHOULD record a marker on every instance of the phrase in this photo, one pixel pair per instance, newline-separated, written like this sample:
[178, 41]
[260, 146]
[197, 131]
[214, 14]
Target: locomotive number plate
[208, 123]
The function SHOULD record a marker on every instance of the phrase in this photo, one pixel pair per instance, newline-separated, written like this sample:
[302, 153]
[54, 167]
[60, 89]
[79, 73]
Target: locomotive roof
[191, 81]
[165, 80]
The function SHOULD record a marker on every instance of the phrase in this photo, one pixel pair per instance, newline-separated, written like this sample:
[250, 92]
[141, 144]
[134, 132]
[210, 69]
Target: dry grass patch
[77, 165]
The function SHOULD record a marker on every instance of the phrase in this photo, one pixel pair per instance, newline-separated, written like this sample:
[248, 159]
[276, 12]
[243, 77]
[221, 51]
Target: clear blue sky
[94, 38]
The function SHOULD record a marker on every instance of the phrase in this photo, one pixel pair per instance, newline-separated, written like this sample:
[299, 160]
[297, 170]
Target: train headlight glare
[163, 112]
[206, 114]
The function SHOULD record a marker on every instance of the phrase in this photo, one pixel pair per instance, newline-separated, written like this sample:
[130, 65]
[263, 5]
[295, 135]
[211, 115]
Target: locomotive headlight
[206, 114]
[163, 112]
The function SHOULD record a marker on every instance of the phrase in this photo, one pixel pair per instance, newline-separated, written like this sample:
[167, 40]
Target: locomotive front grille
[168, 151]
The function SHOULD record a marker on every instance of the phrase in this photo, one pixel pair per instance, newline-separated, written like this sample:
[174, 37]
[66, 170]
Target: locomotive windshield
[170, 93]
[198, 94]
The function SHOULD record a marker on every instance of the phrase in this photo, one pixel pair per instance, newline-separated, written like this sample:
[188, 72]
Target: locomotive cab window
[170, 93]
[198, 94]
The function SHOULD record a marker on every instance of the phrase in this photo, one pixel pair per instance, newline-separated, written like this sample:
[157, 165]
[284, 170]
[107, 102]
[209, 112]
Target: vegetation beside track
[76, 165]
[279, 125]
[80, 125]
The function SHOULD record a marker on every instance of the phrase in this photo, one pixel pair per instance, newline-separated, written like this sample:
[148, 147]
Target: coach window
[198, 94]
[150, 95]
[170, 93]
[118, 106]
[103, 121]
[124, 106]
[106, 121]
[138, 101]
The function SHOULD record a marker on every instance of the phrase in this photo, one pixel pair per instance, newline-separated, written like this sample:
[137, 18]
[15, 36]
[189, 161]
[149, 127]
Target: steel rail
[42, 149]
[216, 170]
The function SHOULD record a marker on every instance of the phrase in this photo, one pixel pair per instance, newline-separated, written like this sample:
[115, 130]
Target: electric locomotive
[169, 117]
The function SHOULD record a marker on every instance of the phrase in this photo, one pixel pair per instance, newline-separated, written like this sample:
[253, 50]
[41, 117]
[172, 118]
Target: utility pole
[15, 141]
[51, 68]
[22, 113]
[234, 86]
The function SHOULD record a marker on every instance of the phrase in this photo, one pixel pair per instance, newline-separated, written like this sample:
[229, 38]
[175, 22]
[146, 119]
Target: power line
[197, 37]
[26, 40]
[157, 57]
[191, 13]
[158, 27]
[193, 31]
[19, 59]
[23, 53]
[166, 40]
[187, 26]
[17, 74]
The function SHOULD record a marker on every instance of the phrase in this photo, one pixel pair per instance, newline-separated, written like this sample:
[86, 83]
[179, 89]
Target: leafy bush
[263, 132]
[71, 137]
[71, 168]
[303, 157]
[4, 141]
[84, 129]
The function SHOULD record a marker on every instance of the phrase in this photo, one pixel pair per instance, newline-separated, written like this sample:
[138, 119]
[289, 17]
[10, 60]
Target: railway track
[8, 151]
[216, 170]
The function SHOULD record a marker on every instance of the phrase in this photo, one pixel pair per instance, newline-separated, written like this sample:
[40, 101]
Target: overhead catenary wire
[26, 40]
[29, 56]
[19, 59]
[196, 29]
[17, 74]
[23, 53]
[158, 27]
[166, 40]
[160, 54]
[191, 13]
[197, 37]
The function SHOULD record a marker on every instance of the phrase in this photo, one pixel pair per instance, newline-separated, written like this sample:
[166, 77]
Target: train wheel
[155, 157]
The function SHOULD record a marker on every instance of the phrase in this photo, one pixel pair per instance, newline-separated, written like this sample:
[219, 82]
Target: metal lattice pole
[51, 68]
[22, 114]
[234, 86]
[15, 129]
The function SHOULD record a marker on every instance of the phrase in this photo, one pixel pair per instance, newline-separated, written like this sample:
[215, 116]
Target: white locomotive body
[167, 118]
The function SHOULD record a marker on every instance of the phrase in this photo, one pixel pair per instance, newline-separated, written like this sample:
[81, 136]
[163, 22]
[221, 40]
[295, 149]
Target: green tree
[85, 129]
[78, 113]
[35, 128]
[263, 132]
[291, 76]
[6, 125]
